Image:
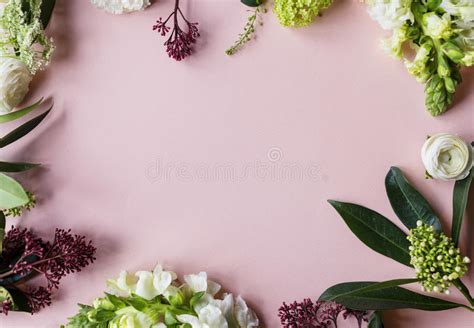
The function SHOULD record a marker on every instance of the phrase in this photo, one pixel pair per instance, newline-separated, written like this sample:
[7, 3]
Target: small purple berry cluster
[309, 314]
[179, 44]
[24, 255]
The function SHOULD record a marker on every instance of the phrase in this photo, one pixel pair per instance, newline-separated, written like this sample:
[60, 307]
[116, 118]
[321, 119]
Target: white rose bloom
[390, 14]
[447, 157]
[15, 79]
[121, 6]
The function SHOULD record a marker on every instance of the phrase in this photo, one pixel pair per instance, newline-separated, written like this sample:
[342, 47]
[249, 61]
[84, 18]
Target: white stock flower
[447, 157]
[121, 6]
[390, 14]
[437, 27]
[145, 284]
[210, 316]
[131, 318]
[244, 315]
[199, 283]
[15, 79]
[464, 9]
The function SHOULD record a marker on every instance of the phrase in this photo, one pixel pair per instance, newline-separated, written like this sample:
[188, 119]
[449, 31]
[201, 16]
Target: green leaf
[376, 231]
[375, 320]
[196, 297]
[2, 229]
[365, 296]
[460, 195]
[47, 7]
[252, 3]
[19, 113]
[16, 167]
[409, 205]
[23, 130]
[11, 193]
[170, 319]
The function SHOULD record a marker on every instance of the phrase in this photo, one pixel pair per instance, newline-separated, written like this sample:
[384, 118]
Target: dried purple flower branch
[179, 44]
[26, 254]
[307, 314]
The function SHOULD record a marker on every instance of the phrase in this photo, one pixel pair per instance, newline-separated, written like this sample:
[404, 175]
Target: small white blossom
[390, 14]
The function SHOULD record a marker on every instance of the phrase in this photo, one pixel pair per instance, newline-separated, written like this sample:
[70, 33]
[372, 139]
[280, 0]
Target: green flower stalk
[248, 32]
[23, 34]
[442, 34]
[436, 259]
[299, 13]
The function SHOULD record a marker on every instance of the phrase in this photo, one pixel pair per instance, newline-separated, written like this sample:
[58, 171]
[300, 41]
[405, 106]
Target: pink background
[325, 99]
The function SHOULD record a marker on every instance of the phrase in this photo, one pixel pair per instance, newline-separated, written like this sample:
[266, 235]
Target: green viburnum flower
[299, 13]
[436, 259]
[22, 34]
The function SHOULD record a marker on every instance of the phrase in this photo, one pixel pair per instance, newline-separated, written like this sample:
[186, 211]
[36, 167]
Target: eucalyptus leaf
[409, 205]
[23, 130]
[366, 296]
[460, 196]
[12, 193]
[375, 320]
[11, 167]
[47, 7]
[376, 231]
[19, 113]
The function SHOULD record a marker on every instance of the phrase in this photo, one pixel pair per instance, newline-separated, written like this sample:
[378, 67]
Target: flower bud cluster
[436, 259]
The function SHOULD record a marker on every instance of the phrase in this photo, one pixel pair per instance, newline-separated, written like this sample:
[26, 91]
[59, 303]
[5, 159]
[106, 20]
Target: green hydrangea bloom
[436, 259]
[298, 13]
[23, 34]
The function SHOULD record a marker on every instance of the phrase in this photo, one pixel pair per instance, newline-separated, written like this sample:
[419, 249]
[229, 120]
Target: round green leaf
[12, 193]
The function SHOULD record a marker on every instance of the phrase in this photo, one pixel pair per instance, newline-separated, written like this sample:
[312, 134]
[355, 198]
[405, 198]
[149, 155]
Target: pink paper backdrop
[196, 164]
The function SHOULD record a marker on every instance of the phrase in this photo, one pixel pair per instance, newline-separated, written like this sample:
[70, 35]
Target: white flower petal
[121, 6]
[15, 79]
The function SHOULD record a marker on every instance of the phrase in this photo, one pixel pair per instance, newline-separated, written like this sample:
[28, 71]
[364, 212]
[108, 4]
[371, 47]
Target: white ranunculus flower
[121, 6]
[447, 157]
[390, 14]
[15, 80]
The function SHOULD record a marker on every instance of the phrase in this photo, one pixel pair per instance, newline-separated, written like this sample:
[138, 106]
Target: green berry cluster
[436, 259]
[17, 211]
[298, 13]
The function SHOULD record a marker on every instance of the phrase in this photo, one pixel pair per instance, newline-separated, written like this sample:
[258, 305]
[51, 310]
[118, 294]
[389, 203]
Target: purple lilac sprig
[180, 42]
[309, 314]
[27, 254]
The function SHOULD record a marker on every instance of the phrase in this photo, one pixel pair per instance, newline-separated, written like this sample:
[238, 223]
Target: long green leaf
[376, 231]
[47, 7]
[460, 195]
[11, 193]
[366, 295]
[375, 320]
[16, 167]
[19, 113]
[23, 130]
[409, 205]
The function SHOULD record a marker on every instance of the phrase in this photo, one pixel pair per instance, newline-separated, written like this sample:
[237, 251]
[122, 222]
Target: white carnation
[121, 6]
[15, 79]
[390, 14]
